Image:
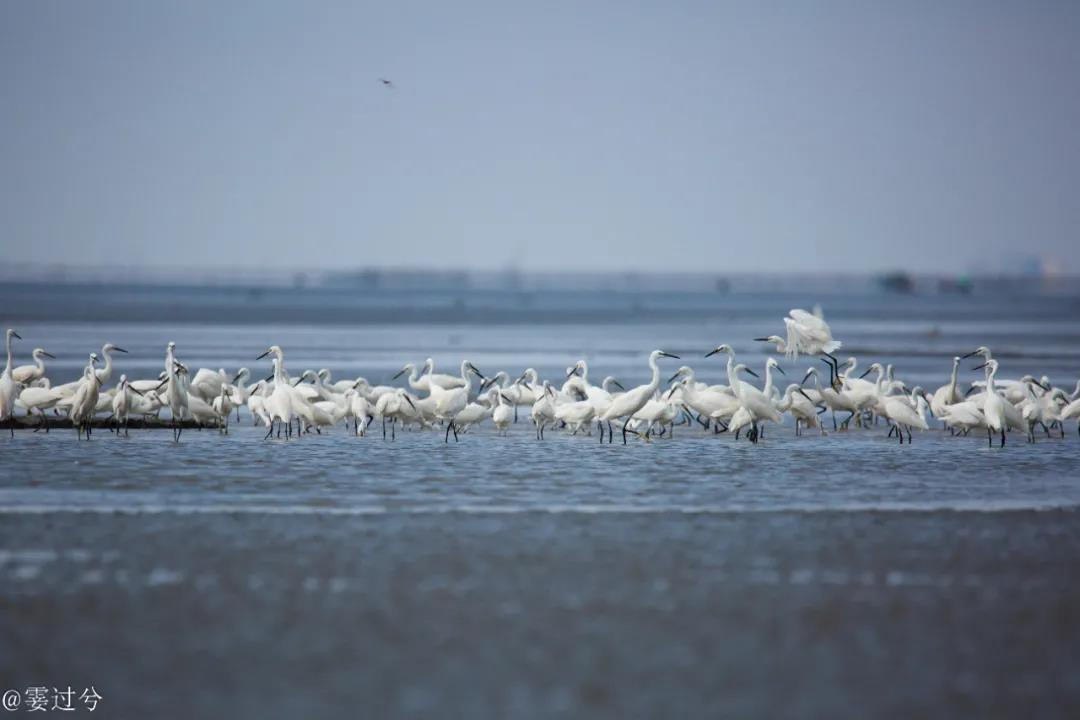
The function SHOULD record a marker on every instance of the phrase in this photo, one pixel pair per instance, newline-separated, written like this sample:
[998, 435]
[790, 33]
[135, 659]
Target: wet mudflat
[657, 613]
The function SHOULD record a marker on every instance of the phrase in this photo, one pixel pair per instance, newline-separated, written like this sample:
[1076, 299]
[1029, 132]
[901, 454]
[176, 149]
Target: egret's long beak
[751, 372]
[269, 378]
[670, 393]
[298, 381]
[573, 371]
[478, 373]
[712, 352]
[503, 396]
[618, 384]
[979, 367]
[263, 355]
[134, 390]
[673, 377]
[236, 377]
[806, 377]
[780, 369]
[1044, 387]
[973, 352]
[399, 374]
[15, 334]
[805, 396]
[764, 339]
[867, 372]
[116, 349]
[667, 354]
[409, 400]
[526, 384]
[48, 354]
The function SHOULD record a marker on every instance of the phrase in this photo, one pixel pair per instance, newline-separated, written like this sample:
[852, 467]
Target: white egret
[625, 405]
[503, 414]
[9, 389]
[543, 410]
[27, 374]
[904, 413]
[446, 382]
[176, 391]
[993, 404]
[279, 404]
[38, 399]
[105, 373]
[449, 402]
[801, 407]
[756, 402]
[84, 401]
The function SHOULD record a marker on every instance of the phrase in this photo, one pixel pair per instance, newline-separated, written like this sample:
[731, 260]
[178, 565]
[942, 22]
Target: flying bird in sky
[386, 82]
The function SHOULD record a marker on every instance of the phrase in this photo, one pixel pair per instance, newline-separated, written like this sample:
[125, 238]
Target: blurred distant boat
[897, 282]
[955, 286]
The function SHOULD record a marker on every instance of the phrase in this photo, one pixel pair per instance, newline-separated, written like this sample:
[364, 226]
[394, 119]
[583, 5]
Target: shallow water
[695, 470]
[694, 575]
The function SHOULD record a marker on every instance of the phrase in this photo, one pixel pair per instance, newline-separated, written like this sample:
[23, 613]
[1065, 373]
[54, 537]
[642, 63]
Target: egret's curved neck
[106, 372]
[768, 379]
[991, 373]
[170, 363]
[654, 384]
[733, 381]
[465, 377]
[7, 368]
[953, 377]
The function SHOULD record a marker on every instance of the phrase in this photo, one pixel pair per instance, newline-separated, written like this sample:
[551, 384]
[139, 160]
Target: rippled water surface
[695, 470]
[691, 576]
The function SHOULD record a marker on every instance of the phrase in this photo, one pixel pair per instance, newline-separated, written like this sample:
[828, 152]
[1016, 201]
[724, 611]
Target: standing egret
[39, 399]
[904, 413]
[625, 405]
[947, 394]
[801, 407]
[757, 403]
[449, 402]
[503, 413]
[105, 373]
[176, 391]
[84, 401]
[9, 389]
[543, 410]
[207, 383]
[122, 404]
[993, 404]
[445, 382]
[27, 374]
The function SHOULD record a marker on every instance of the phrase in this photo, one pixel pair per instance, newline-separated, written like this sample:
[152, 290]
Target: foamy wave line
[964, 506]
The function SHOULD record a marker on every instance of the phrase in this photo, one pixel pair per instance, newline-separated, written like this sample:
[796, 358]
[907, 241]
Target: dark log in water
[23, 422]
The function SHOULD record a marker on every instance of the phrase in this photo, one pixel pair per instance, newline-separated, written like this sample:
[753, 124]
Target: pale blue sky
[626, 135]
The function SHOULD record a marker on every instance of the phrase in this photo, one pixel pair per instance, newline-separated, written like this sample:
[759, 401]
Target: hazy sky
[625, 135]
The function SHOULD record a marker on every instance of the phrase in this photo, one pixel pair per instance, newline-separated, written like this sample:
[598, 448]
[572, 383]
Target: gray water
[509, 576]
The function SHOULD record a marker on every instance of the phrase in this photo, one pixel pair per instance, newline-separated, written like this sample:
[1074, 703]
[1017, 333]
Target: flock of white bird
[458, 403]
